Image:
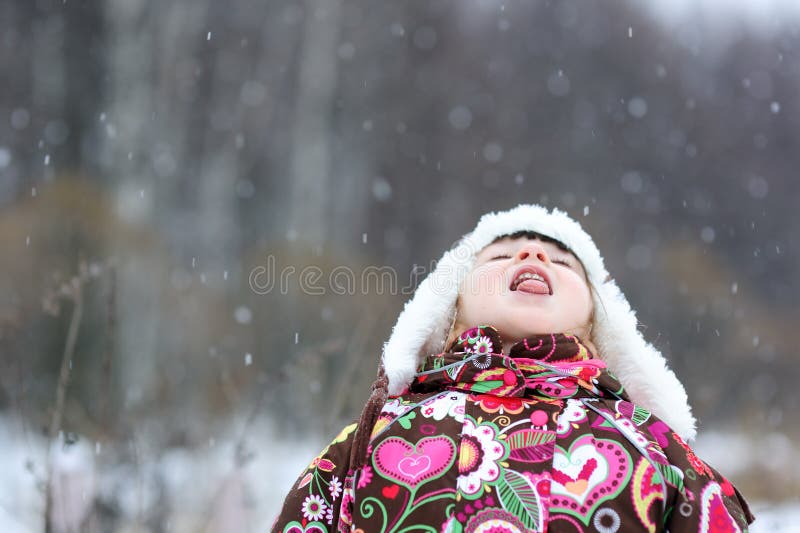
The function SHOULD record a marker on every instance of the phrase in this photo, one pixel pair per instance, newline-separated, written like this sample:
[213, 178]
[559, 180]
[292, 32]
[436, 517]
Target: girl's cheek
[484, 280]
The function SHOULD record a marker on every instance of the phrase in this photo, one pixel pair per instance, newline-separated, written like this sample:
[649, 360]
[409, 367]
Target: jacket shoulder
[703, 496]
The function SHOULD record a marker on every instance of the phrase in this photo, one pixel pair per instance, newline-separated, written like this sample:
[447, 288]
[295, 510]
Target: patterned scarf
[554, 366]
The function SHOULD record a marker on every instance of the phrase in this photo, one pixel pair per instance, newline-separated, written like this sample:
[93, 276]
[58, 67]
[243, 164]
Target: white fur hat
[424, 323]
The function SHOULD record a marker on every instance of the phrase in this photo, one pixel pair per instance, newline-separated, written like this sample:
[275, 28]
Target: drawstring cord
[369, 415]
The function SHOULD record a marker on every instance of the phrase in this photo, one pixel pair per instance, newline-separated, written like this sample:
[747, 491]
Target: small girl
[517, 394]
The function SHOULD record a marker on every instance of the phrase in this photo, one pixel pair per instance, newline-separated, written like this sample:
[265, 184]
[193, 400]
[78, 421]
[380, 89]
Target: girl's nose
[532, 249]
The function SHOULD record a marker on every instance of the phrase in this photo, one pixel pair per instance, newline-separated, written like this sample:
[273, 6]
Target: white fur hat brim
[424, 323]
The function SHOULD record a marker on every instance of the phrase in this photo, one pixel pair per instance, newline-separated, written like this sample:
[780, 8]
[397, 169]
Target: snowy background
[211, 214]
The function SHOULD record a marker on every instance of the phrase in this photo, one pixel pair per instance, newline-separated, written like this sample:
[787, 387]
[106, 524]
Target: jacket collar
[549, 347]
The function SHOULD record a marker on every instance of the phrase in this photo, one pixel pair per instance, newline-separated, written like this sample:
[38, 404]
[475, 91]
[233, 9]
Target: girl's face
[495, 294]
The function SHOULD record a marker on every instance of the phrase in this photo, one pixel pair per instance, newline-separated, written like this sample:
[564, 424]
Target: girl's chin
[517, 332]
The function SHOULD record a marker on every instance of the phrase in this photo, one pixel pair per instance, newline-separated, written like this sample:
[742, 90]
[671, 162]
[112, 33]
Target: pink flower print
[365, 477]
[480, 453]
[335, 487]
[313, 507]
[329, 515]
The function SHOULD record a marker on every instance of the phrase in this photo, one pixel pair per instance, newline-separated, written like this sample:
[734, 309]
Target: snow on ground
[202, 489]
[198, 489]
[21, 463]
[770, 518]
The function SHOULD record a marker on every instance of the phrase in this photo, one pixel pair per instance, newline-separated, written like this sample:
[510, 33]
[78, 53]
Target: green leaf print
[519, 498]
[405, 421]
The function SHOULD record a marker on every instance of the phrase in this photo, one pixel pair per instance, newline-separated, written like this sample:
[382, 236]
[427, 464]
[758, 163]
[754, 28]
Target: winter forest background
[159, 161]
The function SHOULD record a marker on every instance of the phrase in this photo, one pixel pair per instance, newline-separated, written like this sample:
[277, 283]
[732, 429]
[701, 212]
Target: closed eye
[507, 256]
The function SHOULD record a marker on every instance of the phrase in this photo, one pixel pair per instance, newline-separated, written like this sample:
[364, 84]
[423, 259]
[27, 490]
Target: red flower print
[695, 461]
[499, 404]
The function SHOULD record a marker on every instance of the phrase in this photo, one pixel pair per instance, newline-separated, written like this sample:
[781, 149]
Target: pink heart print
[414, 464]
[660, 430]
[589, 473]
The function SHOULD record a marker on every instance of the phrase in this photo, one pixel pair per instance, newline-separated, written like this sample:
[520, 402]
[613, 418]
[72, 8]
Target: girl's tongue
[534, 286]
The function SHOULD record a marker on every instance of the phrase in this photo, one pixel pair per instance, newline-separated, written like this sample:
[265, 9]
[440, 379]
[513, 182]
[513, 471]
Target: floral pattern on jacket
[541, 439]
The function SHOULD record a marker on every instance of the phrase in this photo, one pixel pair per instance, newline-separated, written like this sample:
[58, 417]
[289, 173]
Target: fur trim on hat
[424, 323]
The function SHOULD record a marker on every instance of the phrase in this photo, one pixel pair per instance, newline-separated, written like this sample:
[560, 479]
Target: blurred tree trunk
[310, 160]
[149, 113]
[217, 161]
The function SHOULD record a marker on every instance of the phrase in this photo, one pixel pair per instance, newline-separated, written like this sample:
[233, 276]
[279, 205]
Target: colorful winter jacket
[541, 439]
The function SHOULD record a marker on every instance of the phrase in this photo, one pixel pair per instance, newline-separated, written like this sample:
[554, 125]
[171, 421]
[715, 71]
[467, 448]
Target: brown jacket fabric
[541, 439]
